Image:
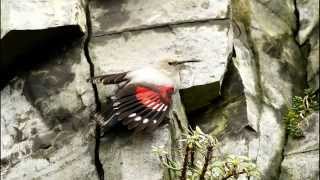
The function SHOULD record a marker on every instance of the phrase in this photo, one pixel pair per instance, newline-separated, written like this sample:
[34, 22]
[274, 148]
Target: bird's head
[173, 66]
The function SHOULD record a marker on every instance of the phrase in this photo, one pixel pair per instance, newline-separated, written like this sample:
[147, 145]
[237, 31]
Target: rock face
[36, 26]
[35, 15]
[301, 157]
[254, 58]
[45, 119]
[125, 15]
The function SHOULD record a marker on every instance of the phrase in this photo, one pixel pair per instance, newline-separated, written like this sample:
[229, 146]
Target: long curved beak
[183, 62]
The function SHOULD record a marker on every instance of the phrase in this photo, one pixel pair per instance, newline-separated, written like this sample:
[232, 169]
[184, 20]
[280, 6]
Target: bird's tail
[109, 78]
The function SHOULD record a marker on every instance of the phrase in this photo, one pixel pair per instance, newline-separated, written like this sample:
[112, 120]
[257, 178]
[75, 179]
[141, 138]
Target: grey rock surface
[313, 60]
[118, 16]
[45, 120]
[268, 63]
[301, 157]
[34, 15]
[308, 18]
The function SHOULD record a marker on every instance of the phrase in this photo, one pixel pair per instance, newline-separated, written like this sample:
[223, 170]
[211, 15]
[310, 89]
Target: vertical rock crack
[97, 161]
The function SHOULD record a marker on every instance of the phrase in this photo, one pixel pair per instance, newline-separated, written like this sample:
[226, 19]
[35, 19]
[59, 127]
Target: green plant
[300, 108]
[199, 162]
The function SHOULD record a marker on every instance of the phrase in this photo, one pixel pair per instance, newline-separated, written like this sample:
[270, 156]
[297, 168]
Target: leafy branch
[201, 163]
[300, 109]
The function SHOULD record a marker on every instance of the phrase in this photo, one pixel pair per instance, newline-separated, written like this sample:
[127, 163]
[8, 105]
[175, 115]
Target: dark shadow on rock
[46, 79]
[22, 50]
[231, 89]
[114, 16]
[226, 116]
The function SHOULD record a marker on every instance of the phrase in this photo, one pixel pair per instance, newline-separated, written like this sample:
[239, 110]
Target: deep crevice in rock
[98, 164]
[24, 50]
[301, 47]
[297, 15]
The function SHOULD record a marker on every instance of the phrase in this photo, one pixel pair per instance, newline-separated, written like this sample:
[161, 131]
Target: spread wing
[138, 107]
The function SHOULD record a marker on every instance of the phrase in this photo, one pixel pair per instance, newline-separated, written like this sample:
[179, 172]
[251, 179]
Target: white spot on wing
[116, 104]
[145, 121]
[151, 104]
[132, 115]
[156, 106]
[165, 108]
[159, 109]
[138, 118]
[154, 121]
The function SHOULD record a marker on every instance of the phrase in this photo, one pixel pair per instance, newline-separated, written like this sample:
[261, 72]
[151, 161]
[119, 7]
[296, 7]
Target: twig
[206, 162]
[192, 154]
[233, 174]
[185, 164]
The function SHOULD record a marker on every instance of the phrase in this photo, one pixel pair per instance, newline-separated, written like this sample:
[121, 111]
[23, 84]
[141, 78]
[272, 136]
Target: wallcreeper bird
[144, 96]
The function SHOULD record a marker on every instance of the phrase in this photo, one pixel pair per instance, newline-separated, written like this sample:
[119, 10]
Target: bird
[144, 96]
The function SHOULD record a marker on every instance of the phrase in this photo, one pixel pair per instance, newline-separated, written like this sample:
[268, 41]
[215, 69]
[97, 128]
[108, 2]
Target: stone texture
[131, 157]
[301, 160]
[310, 140]
[301, 166]
[268, 72]
[33, 15]
[207, 41]
[45, 120]
[268, 62]
[313, 60]
[308, 18]
[36, 26]
[118, 16]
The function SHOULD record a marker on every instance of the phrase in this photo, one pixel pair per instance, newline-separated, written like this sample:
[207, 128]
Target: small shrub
[209, 166]
[301, 107]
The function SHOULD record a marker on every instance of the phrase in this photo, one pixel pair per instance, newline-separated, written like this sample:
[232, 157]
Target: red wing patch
[139, 107]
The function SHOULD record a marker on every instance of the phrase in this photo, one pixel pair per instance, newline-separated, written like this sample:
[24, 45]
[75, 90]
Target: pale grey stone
[301, 166]
[301, 158]
[313, 60]
[118, 16]
[208, 42]
[270, 68]
[310, 139]
[45, 121]
[308, 18]
[34, 15]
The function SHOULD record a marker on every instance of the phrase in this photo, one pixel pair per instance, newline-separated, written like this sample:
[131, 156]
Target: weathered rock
[35, 15]
[118, 16]
[310, 139]
[269, 65]
[313, 61]
[301, 158]
[45, 118]
[29, 29]
[301, 166]
[207, 41]
[308, 18]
